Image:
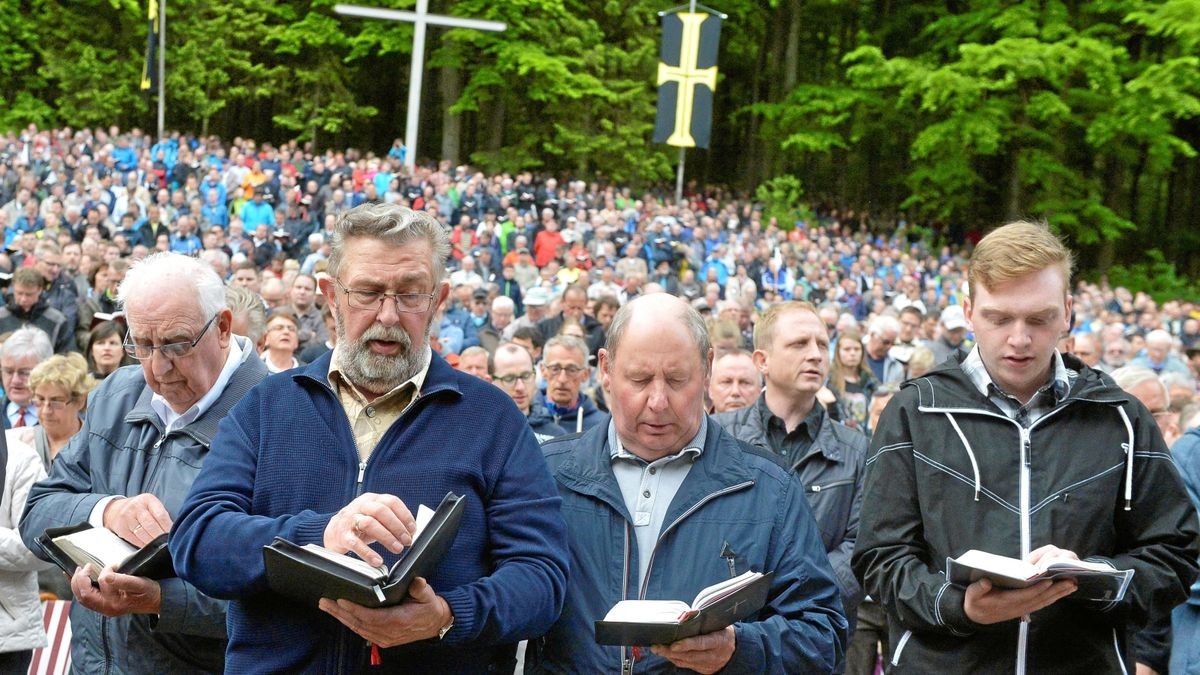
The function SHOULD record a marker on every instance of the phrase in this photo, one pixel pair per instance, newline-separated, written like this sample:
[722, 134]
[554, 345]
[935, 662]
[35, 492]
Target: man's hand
[370, 518]
[706, 653]
[1049, 553]
[118, 594]
[137, 520]
[419, 617]
[985, 604]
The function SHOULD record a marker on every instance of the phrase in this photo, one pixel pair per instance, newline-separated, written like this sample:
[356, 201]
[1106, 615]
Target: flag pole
[162, 65]
[682, 150]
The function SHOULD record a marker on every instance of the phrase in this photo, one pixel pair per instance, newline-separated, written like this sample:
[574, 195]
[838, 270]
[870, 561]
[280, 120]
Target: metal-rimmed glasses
[373, 300]
[172, 350]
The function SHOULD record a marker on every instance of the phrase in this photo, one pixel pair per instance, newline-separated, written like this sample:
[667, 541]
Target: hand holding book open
[371, 518]
[1000, 589]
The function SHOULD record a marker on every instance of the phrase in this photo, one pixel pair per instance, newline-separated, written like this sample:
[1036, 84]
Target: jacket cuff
[464, 629]
[748, 656]
[172, 606]
[309, 528]
[951, 612]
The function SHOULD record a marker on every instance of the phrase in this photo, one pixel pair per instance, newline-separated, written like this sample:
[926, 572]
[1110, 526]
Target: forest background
[954, 115]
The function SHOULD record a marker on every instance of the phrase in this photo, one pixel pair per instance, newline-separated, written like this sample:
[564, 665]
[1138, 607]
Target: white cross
[419, 19]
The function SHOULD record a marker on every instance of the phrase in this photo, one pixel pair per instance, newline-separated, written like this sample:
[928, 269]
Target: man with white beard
[341, 453]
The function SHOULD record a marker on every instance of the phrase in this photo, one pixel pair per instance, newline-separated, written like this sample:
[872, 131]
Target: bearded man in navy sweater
[341, 452]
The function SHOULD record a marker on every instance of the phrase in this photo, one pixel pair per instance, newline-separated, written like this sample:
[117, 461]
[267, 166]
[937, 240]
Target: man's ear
[759, 357]
[603, 365]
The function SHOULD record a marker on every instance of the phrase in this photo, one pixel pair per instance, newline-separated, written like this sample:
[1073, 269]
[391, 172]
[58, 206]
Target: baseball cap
[537, 297]
[952, 318]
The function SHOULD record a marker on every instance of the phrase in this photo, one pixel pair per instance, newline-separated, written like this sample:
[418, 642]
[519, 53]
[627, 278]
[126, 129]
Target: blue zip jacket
[735, 497]
[285, 461]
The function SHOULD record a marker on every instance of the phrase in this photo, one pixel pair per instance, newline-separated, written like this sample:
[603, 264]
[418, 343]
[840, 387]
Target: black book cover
[152, 561]
[301, 574]
[744, 603]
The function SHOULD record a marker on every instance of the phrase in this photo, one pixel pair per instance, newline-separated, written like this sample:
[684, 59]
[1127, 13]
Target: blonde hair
[69, 371]
[838, 370]
[1015, 250]
[764, 329]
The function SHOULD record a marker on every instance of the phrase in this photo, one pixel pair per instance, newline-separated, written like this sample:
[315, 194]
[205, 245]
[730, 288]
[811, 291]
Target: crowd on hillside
[533, 258]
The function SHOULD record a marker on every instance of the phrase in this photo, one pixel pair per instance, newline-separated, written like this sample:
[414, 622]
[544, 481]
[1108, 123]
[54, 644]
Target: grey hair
[395, 225]
[883, 324]
[1128, 377]
[502, 302]
[246, 303]
[27, 341]
[1177, 379]
[569, 342]
[692, 320]
[153, 272]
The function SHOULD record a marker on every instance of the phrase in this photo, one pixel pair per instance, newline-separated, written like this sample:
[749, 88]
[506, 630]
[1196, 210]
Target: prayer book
[311, 572]
[78, 545]
[100, 317]
[661, 622]
[1097, 581]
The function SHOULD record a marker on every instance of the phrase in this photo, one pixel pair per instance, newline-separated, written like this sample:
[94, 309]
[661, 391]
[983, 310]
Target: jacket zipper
[685, 514]
[626, 661]
[836, 483]
[1025, 450]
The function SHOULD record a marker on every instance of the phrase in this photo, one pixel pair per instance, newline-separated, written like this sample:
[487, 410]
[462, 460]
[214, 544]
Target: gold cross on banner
[688, 77]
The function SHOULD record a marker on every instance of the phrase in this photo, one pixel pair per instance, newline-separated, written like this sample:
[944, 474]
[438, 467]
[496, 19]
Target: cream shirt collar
[173, 420]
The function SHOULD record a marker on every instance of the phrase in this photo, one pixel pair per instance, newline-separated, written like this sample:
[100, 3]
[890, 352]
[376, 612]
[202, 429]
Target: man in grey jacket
[144, 439]
[791, 350]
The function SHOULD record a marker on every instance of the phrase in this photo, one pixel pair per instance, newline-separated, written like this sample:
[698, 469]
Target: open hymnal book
[1096, 581]
[378, 574]
[644, 622]
[83, 544]
[311, 572]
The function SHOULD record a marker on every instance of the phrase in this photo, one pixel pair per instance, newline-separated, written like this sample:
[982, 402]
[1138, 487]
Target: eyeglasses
[511, 380]
[373, 300]
[173, 350]
[44, 403]
[283, 327]
[22, 373]
[555, 369]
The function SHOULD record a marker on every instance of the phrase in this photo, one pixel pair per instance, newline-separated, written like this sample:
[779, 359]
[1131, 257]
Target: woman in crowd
[851, 382]
[60, 387]
[105, 349]
[280, 342]
[20, 612]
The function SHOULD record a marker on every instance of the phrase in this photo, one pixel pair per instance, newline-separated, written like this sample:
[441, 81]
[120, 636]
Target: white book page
[369, 571]
[647, 611]
[96, 544]
[424, 515]
[998, 564]
[723, 589]
[1061, 564]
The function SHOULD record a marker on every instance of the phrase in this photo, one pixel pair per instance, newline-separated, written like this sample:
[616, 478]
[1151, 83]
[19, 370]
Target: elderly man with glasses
[512, 371]
[343, 451]
[565, 369]
[146, 434]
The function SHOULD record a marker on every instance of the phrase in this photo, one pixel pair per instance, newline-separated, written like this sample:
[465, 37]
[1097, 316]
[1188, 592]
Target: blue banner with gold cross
[687, 76]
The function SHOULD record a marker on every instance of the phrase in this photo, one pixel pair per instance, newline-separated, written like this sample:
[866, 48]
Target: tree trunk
[495, 123]
[791, 54]
[450, 87]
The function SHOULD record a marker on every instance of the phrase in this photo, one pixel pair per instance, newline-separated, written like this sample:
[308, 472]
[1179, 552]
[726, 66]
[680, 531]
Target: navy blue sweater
[284, 461]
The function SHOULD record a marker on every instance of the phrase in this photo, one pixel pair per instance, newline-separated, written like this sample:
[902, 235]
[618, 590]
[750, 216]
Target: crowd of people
[637, 398]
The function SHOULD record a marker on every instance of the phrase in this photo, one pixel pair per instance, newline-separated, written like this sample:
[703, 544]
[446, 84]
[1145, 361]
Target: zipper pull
[627, 667]
[1028, 452]
[159, 442]
[362, 469]
[729, 556]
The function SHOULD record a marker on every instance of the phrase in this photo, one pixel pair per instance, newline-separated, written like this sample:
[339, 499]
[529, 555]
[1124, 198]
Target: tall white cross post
[420, 18]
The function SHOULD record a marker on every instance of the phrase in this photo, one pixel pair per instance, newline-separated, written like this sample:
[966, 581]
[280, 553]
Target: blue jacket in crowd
[285, 461]
[735, 498]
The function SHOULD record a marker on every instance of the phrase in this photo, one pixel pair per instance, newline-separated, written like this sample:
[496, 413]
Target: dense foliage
[957, 114]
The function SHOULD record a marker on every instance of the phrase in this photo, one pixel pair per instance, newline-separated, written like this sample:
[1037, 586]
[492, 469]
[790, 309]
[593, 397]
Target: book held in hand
[311, 572]
[1096, 581]
[661, 622]
[79, 545]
